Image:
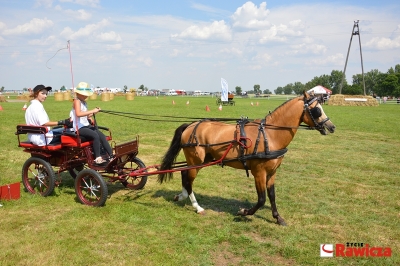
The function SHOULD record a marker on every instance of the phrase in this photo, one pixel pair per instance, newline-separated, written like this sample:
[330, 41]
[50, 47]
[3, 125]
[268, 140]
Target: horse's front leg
[187, 191]
[275, 214]
[260, 180]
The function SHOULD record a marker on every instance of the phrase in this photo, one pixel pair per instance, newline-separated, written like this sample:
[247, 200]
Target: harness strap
[241, 123]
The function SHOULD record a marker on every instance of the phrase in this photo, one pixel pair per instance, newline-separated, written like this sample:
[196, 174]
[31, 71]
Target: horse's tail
[173, 151]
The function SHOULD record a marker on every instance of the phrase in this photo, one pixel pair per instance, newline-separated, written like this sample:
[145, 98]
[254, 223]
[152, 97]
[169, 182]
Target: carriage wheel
[38, 176]
[90, 188]
[134, 182]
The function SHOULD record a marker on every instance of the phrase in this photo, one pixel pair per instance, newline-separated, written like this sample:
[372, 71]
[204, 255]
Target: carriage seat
[50, 147]
[25, 129]
[70, 139]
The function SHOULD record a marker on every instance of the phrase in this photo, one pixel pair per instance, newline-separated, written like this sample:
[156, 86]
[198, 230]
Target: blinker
[316, 112]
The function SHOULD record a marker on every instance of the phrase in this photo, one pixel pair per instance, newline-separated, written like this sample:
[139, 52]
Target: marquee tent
[320, 90]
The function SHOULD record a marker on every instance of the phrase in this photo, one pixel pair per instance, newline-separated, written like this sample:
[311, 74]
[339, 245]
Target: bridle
[314, 112]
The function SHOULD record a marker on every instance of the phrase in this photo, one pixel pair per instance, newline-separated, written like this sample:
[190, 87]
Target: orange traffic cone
[1, 108]
[257, 103]
[24, 107]
[220, 107]
[173, 102]
[207, 108]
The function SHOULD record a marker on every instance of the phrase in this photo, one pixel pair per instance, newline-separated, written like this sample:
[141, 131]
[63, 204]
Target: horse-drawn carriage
[229, 102]
[75, 155]
[257, 146]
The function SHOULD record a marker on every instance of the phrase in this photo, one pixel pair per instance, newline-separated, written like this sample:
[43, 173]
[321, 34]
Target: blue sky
[191, 45]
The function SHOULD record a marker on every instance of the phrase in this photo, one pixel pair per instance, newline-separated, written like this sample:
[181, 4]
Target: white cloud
[308, 47]
[49, 40]
[34, 26]
[271, 35]
[383, 43]
[91, 3]
[109, 36]
[80, 14]
[218, 30]
[174, 53]
[232, 50]
[146, 61]
[117, 46]
[249, 16]
[88, 30]
[336, 59]
[2, 26]
[45, 3]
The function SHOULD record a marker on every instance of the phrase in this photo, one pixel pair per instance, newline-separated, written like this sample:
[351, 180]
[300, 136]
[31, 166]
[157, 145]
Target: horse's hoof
[281, 222]
[202, 213]
[176, 198]
[242, 212]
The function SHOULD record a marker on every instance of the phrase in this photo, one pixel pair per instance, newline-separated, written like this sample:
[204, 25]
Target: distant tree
[63, 88]
[238, 90]
[141, 87]
[2, 88]
[298, 88]
[125, 88]
[25, 89]
[278, 90]
[322, 80]
[355, 89]
[335, 80]
[267, 91]
[371, 81]
[390, 84]
[257, 88]
[288, 89]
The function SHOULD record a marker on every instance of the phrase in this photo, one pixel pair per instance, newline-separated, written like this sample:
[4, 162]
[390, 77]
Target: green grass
[339, 188]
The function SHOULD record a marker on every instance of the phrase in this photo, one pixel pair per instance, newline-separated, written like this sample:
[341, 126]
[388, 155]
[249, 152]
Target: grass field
[332, 189]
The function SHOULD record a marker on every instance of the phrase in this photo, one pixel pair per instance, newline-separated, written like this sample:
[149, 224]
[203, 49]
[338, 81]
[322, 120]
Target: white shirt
[83, 120]
[35, 115]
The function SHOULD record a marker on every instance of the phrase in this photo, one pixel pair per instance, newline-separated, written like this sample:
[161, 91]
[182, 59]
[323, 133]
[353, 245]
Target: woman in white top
[35, 115]
[80, 116]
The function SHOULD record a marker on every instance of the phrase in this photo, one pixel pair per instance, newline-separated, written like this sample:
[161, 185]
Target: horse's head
[314, 115]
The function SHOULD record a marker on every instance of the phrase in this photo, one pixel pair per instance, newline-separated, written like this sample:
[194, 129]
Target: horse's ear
[306, 95]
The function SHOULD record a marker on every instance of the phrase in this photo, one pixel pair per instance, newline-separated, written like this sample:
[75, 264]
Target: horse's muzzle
[326, 125]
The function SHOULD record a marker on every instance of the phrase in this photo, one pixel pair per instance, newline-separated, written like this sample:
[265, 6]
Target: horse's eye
[316, 112]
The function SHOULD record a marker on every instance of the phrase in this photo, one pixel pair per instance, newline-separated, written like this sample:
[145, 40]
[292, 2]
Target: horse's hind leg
[271, 196]
[187, 190]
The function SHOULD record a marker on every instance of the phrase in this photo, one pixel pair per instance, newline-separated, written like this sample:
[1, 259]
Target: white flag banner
[224, 88]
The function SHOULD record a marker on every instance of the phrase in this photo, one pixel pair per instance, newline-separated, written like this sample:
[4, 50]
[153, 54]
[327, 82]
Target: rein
[139, 116]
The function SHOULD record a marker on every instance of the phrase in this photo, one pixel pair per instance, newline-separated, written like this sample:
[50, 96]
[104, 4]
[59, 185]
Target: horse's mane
[270, 113]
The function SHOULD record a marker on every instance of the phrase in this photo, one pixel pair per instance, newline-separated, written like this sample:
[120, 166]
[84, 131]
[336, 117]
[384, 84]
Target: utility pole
[356, 31]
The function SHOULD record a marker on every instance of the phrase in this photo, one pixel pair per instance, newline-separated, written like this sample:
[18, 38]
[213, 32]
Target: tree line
[376, 83]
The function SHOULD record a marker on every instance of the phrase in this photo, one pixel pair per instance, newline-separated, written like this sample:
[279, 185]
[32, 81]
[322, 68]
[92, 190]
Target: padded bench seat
[50, 147]
[70, 139]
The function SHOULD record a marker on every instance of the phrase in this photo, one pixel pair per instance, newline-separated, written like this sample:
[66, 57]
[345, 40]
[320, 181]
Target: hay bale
[93, 96]
[2, 99]
[130, 96]
[24, 97]
[105, 96]
[352, 100]
[58, 96]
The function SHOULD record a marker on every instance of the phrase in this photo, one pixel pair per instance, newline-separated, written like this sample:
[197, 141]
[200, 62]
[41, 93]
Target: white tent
[320, 90]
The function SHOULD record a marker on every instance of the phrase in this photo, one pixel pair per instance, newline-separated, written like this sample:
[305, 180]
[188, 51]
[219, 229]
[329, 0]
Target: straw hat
[83, 88]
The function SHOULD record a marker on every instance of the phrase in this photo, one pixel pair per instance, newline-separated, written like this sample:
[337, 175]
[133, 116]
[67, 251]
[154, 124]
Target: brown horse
[258, 146]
